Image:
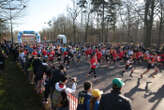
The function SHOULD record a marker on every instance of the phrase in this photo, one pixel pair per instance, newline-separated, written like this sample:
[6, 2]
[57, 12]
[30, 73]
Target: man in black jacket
[37, 66]
[114, 100]
[2, 61]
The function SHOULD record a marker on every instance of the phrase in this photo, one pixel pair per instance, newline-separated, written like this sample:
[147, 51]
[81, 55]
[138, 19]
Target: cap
[118, 82]
[96, 93]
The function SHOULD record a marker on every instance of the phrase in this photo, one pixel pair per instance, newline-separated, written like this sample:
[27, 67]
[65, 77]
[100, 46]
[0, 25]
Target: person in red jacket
[51, 55]
[44, 52]
[93, 64]
[99, 55]
[161, 58]
[121, 54]
[34, 53]
[87, 53]
[25, 51]
[66, 57]
[139, 56]
[114, 54]
[152, 64]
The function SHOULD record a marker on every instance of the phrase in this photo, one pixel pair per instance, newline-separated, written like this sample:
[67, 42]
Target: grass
[15, 91]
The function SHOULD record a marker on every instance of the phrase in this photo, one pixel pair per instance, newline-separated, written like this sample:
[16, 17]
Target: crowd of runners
[46, 66]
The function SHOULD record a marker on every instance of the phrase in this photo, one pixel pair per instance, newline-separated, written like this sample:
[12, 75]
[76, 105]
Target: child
[95, 100]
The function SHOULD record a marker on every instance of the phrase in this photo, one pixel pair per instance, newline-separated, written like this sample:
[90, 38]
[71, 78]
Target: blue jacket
[96, 105]
[83, 101]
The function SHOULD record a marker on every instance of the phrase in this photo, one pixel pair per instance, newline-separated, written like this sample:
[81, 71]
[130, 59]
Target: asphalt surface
[146, 93]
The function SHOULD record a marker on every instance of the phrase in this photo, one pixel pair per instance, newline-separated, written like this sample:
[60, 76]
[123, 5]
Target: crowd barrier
[73, 102]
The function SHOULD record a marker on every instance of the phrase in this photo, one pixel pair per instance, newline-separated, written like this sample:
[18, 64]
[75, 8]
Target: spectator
[57, 75]
[30, 69]
[84, 97]
[59, 97]
[46, 80]
[95, 100]
[36, 67]
[22, 58]
[2, 61]
[114, 100]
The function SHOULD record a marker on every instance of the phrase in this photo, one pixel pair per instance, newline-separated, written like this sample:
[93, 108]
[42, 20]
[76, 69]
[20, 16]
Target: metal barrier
[73, 102]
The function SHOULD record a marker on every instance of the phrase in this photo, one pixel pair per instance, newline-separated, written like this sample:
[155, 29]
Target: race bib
[94, 63]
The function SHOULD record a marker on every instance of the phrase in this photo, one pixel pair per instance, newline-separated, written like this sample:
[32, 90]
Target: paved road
[146, 93]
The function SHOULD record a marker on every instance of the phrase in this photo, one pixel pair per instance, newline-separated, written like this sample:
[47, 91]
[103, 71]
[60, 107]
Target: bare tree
[160, 13]
[74, 13]
[11, 10]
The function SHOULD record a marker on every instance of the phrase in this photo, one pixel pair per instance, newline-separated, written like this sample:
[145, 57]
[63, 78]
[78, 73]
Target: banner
[29, 34]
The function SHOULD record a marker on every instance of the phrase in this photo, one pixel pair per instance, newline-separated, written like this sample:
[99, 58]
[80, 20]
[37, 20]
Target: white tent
[63, 38]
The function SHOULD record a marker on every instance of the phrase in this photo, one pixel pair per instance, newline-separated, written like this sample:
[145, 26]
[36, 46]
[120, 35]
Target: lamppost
[11, 18]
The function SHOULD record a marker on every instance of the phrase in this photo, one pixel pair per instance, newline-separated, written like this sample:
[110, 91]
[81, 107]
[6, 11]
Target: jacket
[114, 101]
[83, 101]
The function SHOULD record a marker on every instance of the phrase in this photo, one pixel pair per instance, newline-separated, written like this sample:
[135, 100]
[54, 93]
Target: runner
[151, 65]
[107, 55]
[93, 64]
[129, 66]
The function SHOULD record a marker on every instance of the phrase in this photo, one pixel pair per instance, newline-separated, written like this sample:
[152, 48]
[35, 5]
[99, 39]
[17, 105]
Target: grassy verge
[15, 91]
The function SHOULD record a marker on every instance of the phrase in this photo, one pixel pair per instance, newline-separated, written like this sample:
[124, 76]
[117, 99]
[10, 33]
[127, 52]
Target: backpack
[55, 98]
[59, 99]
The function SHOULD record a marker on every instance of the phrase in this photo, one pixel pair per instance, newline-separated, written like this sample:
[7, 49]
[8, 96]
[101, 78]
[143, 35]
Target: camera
[73, 79]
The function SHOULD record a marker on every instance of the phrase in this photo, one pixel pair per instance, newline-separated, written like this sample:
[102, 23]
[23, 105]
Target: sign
[28, 36]
[28, 32]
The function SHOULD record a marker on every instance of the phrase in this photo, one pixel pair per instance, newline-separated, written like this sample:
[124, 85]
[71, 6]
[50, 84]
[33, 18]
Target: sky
[38, 12]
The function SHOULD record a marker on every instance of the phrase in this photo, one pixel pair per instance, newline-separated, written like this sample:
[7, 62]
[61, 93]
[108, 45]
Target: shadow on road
[158, 96]
[136, 89]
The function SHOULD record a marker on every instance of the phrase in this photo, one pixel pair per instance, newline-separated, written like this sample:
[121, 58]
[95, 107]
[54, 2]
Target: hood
[45, 64]
[59, 88]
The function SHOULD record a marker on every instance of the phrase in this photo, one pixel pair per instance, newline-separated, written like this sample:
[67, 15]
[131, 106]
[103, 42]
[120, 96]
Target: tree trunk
[74, 31]
[87, 26]
[103, 23]
[106, 37]
[160, 29]
[128, 33]
[148, 22]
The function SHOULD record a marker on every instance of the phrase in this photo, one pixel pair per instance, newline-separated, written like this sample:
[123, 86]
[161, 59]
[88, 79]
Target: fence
[73, 102]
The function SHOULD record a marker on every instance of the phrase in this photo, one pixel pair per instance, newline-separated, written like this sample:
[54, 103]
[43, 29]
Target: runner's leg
[145, 72]
[155, 72]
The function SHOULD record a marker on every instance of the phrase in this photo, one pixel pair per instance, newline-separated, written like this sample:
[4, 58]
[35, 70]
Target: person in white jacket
[59, 98]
